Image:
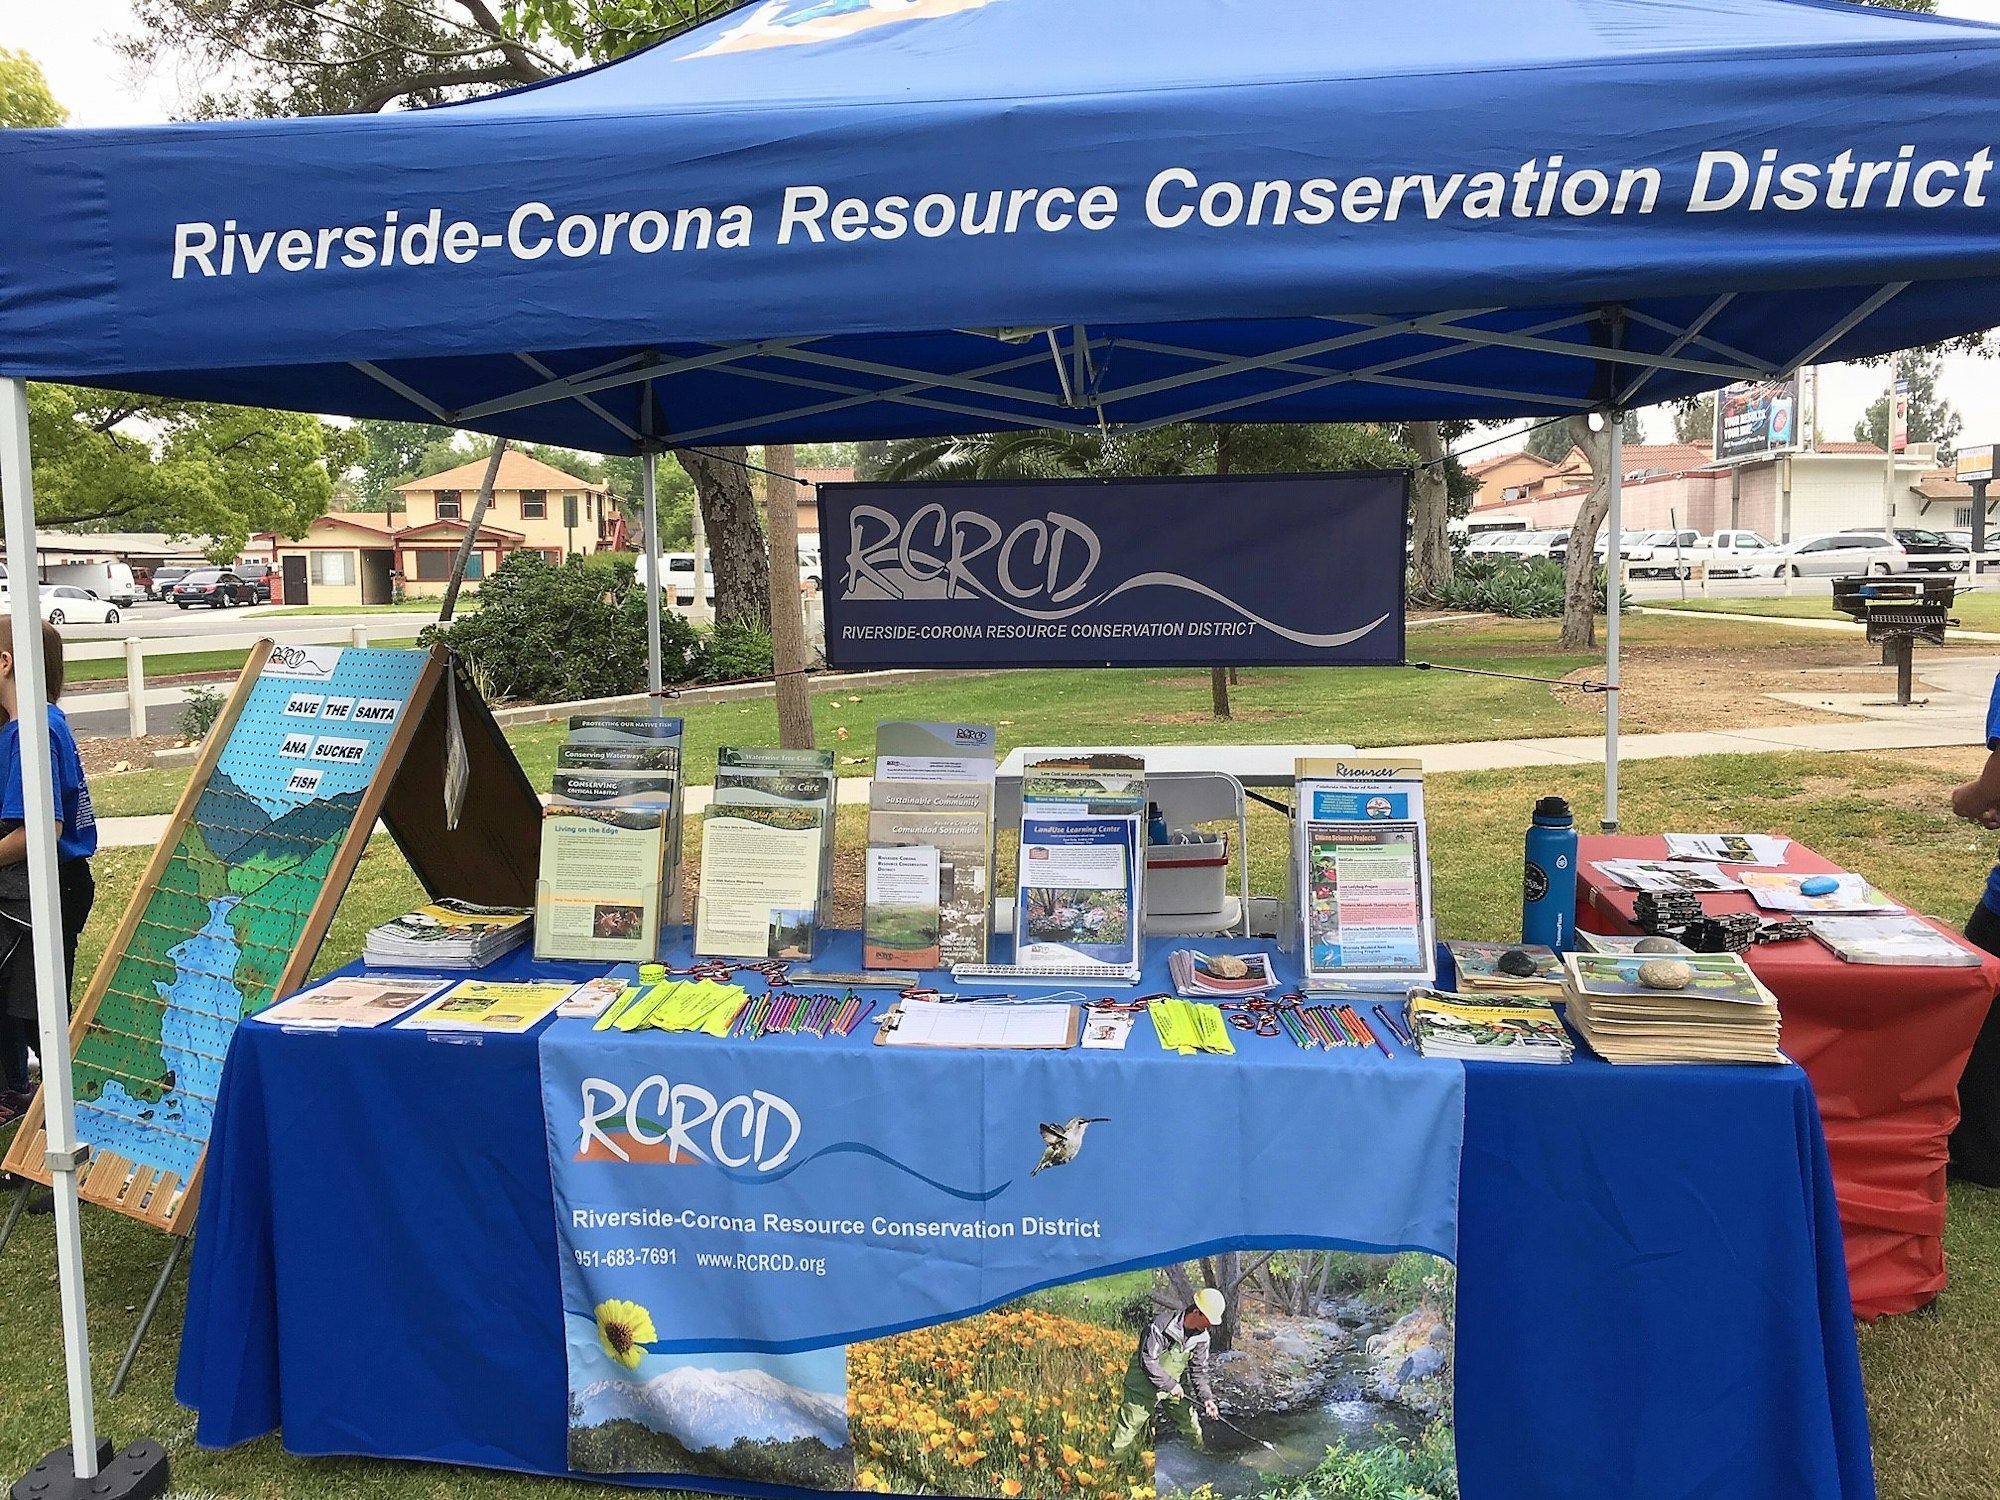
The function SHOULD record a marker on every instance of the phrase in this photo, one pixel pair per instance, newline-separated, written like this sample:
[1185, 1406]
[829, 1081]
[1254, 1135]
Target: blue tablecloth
[1652, 1300]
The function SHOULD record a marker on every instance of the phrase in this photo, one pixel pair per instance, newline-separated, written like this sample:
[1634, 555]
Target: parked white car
[65, 604]
[1839, 556]
[1735, 553]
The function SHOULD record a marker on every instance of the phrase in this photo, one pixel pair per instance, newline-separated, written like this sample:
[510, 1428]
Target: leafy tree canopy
[144, 463]
[25, 100]
[1932, 418]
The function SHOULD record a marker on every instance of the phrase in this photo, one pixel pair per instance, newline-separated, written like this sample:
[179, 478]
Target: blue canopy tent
[872, 218]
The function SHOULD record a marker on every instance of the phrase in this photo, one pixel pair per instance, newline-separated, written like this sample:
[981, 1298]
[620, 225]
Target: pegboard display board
[232, 909]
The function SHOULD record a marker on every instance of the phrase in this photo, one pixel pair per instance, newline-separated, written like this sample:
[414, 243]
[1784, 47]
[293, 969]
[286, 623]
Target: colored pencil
[1369, 1032]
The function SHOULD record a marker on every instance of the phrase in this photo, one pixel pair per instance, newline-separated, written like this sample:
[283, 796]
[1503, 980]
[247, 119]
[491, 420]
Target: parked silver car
[1842, 555]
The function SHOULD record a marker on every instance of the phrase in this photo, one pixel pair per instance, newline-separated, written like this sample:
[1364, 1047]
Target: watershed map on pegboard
[234, 899]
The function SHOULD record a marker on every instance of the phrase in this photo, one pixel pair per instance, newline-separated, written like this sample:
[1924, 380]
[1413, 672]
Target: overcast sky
[70, 38]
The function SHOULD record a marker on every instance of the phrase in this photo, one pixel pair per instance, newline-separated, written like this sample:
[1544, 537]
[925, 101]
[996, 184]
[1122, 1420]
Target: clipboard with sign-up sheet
[1015, 1027]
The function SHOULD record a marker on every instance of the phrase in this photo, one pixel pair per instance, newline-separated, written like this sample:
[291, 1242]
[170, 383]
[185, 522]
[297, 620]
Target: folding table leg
[14, 1213]
[152, 1306]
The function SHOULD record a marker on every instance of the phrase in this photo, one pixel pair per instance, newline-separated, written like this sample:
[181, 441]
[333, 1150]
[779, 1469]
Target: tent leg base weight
[139, 1473]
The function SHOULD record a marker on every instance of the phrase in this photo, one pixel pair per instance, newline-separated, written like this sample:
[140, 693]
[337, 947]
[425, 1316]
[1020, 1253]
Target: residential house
[534, 505]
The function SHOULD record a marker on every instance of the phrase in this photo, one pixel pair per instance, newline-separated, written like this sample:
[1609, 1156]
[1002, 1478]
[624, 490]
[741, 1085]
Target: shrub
[1399, 1469]
[1531, 590]
[550, 634]
[199, 712]
[734, 653]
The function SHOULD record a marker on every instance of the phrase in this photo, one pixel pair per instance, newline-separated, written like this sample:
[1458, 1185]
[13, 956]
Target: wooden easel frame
[491, 856]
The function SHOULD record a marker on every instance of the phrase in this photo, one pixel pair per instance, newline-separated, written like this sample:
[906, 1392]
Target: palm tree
[1035, 454]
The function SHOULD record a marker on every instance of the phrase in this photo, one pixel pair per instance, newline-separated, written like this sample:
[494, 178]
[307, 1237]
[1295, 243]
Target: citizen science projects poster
[1193, 571]
[781, 1266]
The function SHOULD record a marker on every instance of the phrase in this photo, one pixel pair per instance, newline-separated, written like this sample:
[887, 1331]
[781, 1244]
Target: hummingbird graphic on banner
[1064, 1141]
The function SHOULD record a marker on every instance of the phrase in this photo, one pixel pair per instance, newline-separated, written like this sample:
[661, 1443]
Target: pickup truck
[1676, 554]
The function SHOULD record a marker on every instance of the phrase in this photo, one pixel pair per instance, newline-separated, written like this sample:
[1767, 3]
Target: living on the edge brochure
[598, 896]
[1076, 899]
[899, 926]
[760, 884]
[1361, 871]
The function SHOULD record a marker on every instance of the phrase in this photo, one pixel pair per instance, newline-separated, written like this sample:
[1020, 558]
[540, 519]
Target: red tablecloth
[1883, 1045]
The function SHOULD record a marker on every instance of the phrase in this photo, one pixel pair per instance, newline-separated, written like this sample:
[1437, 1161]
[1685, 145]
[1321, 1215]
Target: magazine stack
[446, 934]
[1694, 1008]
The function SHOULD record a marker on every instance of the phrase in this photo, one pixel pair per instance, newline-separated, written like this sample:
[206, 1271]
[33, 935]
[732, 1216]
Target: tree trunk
[788, 626]
[735, 535]
[465, 545]
[1430, 509]
[1579, 632]
[1229, 1281]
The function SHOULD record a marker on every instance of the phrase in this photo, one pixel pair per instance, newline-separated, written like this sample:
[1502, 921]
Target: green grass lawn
[407, 607]
[112, 668]
[1933, 1381]
[1814, 601]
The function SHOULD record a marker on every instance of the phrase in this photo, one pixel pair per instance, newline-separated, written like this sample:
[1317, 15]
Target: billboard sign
[1975, 463]
[1246, 570]
[1899, 416]
[1762, 418]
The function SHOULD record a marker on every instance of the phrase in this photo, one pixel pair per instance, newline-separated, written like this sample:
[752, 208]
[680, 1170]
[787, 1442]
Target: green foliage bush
[199, 711]
[1398, 1470]
[734, 653]
[548, 634]
[1531, 590]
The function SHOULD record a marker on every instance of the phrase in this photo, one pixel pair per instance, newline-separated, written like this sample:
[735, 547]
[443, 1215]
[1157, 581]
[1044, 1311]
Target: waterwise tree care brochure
[759, 881]
[1075, 903]
[899, 928]
[761, 775]
[1361, 868]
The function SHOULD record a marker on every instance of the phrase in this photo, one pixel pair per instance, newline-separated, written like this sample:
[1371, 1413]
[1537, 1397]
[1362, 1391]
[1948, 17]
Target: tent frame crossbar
[846, 379]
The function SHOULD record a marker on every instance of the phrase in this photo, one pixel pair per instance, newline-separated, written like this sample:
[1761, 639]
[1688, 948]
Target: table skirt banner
[774, 1270]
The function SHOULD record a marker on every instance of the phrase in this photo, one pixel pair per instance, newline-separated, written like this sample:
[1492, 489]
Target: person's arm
[14, 845]
[1198, 1368]
[1977, 799]
[1152, 1343]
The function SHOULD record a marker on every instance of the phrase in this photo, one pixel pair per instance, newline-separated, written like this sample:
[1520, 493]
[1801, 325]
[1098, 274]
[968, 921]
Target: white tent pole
[51, 979]
[1614, 586]
[648, 474]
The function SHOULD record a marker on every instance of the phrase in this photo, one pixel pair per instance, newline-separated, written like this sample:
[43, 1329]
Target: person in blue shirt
[76, 842]
[1975, 1144]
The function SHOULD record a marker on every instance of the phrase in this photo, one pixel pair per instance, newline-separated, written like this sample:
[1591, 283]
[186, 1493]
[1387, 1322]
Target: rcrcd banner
[1293, 569]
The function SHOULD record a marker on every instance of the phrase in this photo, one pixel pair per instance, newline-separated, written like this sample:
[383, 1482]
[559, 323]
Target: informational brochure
[350, 1002]
[480, 1005]
[1103, 783]
[1895, 939]
[644, 731]
[1717, 976]
[592, 998]
[1668, 875]
[1107, 1030]
[663, 757]
[636, 789]
[758, 775]
[956, 819]
[1076, 902]
[1850, 894]
[759, 882]
[599, 892]
[1361, 871]
[1728, 848]
[899, 925]
[906, 750]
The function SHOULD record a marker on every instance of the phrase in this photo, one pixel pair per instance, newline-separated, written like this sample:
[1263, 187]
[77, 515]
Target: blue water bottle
[1548, 878]
[1156, 825]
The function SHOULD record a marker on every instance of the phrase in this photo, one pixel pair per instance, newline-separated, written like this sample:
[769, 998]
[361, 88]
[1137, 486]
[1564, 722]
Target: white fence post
[135, 684]
[361, 636]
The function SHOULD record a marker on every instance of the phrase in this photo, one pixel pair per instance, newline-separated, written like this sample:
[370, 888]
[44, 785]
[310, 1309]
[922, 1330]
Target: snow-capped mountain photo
[710, 1408]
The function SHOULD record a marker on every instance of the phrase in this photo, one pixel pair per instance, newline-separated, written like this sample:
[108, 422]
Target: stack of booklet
[1496, 1028]
[766, 854]
[1210, 976]
[929, 878]
[446, 934]
[1481, 969]
[1723, 1015]
[1903, 940]
[1083, 826]
[611, 841]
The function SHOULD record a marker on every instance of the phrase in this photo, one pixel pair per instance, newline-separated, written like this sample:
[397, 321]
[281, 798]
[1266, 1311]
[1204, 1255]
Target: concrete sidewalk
[1953, 713]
